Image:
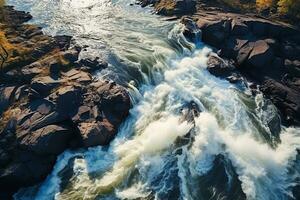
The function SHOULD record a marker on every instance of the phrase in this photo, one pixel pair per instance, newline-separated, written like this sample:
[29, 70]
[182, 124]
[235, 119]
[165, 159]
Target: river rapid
[234, 149]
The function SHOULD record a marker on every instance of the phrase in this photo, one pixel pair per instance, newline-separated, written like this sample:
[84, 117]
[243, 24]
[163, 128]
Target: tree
[289, 7]
[264, 4]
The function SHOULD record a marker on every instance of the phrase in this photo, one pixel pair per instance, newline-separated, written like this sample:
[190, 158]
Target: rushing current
[234, 149]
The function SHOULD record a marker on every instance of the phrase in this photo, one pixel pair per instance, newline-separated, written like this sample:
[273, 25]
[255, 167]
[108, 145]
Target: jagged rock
[244, 53]
[96, 133]
[190, 111]
[43, 85]
[6, 94]
[285, 98]
[78, 76]
[49, 140]
[293, 67]
[261, 54]
[219, 67]
[214, 32]
[91, 66]
[238, 28]
[56, 104]
[191, 31]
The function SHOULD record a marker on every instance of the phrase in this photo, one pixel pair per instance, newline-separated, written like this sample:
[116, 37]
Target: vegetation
[281, 8]
[289, 8]
[2, 2]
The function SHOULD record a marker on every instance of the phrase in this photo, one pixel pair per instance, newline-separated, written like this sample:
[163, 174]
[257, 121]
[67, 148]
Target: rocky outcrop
[171, 7]
[49, 102]
[265, 52]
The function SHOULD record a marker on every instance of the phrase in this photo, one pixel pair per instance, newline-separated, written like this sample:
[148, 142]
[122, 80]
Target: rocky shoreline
[49, 102]
[264, 52]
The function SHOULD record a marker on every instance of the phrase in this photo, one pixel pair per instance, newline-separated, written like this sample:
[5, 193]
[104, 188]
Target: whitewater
[229, 150]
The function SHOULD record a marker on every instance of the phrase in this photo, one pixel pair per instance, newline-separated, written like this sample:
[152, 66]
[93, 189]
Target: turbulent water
[232, 150]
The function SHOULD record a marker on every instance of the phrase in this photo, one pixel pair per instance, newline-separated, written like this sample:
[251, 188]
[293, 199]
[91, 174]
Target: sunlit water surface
[230, 151]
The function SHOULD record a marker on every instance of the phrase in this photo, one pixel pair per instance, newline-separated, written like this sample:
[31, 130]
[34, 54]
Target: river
[232, 150]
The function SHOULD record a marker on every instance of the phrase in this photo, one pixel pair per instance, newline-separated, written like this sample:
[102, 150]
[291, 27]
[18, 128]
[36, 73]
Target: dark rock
[78, 76]
[290, 51]
[214, 32]
[90, 65]
[293, 67]
[67, 99]
[43, 85]
[244, 53]
[63, 41]
[6, 97]
[223, 178]
[234, 78]
[190, 111]
[191, 31]
[239, 28]
[96, 133]
[115, 101]
[52, 139]
[286, 99]
[261, 54]
[219, 67]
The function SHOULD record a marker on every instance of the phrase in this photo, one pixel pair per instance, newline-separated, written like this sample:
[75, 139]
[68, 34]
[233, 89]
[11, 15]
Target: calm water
[228, 152]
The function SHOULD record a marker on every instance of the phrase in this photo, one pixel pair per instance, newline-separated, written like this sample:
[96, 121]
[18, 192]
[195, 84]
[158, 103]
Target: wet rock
[115, 101]
[219, 67]
[190, 111]
[91, 66]
[26, 170]
[191, 30]
[234, 78]
[53, 104]
[262, 50]
[223, 178]
[285, 98]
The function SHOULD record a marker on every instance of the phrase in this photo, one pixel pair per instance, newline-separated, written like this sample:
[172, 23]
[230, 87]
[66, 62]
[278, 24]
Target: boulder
[219, 67]
[27, 169]
[293, 67]
[91, 66]
[285, 98]
[239, 28]
[96, 133]
[49, 140]
[244, 53]
[214, 32]
[191, 30]
[67, 99]
[53, 104]
[78, 76]
[44, 85]
[6, 97]
[115, 101]
[261, 55]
